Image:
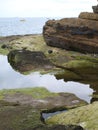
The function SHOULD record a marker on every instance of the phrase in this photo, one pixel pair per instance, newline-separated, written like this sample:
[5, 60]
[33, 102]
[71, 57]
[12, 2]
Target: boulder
[74, 34]
[24, 60]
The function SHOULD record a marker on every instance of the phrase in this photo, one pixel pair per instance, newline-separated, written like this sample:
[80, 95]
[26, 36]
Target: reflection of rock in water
[28, 61]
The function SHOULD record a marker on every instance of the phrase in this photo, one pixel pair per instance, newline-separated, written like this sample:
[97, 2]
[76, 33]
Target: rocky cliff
[76, 34]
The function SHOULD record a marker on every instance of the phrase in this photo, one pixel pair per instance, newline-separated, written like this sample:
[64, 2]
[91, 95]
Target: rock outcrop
[76, 34]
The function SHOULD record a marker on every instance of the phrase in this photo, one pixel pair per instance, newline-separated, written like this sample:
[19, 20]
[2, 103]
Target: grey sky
[44, 8]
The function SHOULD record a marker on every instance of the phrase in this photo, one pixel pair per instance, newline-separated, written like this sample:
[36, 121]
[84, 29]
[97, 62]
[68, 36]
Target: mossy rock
[41, 99]
[19, 118]
[36, 92]
[21, 109]
[26, 118]
[86, 116]
[68, 75]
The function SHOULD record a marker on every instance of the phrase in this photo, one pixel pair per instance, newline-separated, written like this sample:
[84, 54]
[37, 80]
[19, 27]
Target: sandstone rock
[72, 34]
[89, 16]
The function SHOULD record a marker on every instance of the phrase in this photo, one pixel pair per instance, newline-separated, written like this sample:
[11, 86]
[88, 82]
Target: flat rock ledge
[21, 109]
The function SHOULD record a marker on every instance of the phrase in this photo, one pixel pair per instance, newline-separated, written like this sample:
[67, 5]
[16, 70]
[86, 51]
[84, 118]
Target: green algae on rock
[19, 118]
[26, 118]
[36, 92]
[74, 64]
[20, 42]
[86, 116]
[41, 98]
[20, 109]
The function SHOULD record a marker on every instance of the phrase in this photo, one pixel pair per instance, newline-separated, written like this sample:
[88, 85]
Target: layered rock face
[76, 34]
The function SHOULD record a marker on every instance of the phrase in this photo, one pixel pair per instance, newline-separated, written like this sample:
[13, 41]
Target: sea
[22, 26]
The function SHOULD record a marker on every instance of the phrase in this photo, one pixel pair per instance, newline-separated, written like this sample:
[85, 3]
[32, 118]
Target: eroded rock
[74, 34]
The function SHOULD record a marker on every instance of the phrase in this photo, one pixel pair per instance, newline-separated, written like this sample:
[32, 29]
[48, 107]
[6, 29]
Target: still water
[10, 79]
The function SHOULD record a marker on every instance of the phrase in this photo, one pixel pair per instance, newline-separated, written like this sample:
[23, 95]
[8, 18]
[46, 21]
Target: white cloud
[45, 7]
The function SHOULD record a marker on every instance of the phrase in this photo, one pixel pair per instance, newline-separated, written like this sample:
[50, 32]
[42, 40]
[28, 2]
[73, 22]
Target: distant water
[21, 26]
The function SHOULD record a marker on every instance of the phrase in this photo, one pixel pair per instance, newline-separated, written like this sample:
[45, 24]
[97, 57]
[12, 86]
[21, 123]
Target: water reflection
[12, 79]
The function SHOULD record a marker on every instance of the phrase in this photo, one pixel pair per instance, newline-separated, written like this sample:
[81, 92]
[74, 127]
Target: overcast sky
[44, 8]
